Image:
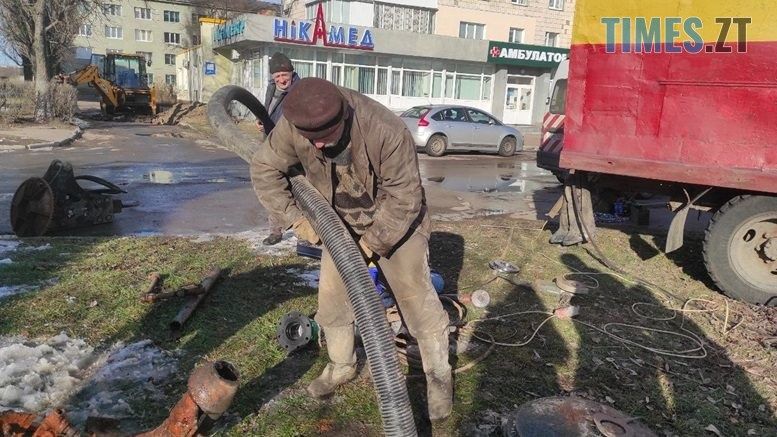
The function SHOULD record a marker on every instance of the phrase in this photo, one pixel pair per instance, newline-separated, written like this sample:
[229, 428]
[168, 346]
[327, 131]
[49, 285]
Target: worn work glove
[304, 230]
[368, 253]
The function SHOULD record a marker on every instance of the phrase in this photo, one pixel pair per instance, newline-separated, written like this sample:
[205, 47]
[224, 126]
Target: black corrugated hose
[378, 339]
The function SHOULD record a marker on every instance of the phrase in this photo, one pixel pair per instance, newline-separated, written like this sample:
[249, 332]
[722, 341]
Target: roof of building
[247, 6]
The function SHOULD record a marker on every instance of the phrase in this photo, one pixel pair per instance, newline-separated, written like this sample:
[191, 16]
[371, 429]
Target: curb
[77, 132]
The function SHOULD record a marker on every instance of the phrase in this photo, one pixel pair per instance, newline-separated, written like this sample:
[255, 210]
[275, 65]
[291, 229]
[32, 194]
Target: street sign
[210, 68]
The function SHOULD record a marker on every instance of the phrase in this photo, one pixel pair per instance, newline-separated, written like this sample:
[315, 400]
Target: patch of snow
[135, 371]
[146, 234]
[306, 277]
[8, 245]
[6, 261]
[254, 238]
[10, 290]
[36, 376]
[46, 246]
[61, 372]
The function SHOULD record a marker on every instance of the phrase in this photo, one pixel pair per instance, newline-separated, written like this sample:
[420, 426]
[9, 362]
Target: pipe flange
[295, 330]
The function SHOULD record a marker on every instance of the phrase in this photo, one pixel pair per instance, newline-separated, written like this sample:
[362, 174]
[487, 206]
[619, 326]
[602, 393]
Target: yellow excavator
[121, 81]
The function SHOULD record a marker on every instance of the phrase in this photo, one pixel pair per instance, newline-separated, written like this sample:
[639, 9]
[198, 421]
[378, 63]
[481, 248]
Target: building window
[85, 30]
[146, 55]
[403, 18]
[172, 38]
[335, 11]
[143, 35]
[150, 78]
[196, 40]
[113, 32]
[556, 4]
[516, 35]
[472, 30]
[170, 79]
[114, 10]
[521, 2]
[169, 59]
[551, 39]
[143, 13]
[172, 16]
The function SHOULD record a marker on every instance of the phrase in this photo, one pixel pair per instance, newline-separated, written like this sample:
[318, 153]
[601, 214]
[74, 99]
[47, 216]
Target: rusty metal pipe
[193, 301]
[211, 389]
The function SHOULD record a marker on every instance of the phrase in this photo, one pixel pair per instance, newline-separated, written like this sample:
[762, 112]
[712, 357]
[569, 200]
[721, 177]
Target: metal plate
[571, 417]
[32, 208]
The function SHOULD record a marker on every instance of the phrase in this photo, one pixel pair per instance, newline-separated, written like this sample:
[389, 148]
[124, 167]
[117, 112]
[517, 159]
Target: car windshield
[417, 112]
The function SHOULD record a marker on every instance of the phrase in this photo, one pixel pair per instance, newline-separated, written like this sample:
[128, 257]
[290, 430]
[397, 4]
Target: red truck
[679, 98]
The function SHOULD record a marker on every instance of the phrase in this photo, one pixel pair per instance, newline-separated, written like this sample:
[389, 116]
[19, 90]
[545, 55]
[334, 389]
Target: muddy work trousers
[407, 273]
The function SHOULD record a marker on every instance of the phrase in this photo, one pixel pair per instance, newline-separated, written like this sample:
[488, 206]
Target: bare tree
[41, 32]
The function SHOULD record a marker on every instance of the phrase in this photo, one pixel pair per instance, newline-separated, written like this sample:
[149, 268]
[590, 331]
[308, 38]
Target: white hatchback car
[441, 128]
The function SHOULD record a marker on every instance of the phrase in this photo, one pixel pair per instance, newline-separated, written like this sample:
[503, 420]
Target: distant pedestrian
[283, 80]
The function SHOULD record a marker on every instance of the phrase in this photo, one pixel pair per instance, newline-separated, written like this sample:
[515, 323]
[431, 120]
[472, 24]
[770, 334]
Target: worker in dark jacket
[362, 159]
[283, 80]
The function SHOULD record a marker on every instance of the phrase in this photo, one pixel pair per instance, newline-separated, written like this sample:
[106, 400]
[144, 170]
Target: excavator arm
[91, 75]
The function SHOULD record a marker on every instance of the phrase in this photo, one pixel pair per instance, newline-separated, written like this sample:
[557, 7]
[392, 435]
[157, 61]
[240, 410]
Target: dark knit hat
[279, 62]
[316, 108]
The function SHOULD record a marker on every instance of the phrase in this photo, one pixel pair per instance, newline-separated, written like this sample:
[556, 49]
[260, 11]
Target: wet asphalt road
[185, 184]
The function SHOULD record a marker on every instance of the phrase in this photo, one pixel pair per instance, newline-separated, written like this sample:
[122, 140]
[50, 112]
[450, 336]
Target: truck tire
[436, 145]
[507, 146]
[740, 249]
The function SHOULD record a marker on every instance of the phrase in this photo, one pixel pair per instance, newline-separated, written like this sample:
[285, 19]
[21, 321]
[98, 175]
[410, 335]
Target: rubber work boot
[342, 361]
[563, 225]
[439, 380]
[273, 239]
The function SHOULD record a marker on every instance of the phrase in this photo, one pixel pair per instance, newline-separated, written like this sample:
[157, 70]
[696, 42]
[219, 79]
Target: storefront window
[337, 75]
[449, 86]
[415, 84]
[321, 70]
[486, 88]
[382, 81]
[303, 69]
[396, 82]
[437, 85]
[467, 87]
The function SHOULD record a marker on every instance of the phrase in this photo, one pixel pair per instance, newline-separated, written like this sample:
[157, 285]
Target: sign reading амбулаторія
[525, 55]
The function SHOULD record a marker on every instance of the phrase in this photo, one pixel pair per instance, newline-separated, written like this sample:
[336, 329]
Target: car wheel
[436, 145]
[507, 146]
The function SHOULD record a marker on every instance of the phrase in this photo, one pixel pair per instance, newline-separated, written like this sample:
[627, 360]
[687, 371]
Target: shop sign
[525, 55]
[210, 68]
[305, 32]
[229, 30]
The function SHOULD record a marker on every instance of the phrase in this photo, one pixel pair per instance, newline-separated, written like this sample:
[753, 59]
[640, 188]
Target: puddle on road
[169, 177]
[501, 178]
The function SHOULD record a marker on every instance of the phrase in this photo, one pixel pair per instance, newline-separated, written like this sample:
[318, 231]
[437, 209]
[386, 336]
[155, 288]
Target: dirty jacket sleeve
[400, 196]
[269, 169]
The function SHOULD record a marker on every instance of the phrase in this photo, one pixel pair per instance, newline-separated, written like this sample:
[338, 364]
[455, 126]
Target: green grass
[237, 323]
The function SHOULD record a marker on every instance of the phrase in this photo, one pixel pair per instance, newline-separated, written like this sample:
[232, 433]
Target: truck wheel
[436, 145]
[507, 146]
[740, 249]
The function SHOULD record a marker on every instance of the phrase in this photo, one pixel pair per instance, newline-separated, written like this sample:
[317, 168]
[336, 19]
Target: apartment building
[157, 29]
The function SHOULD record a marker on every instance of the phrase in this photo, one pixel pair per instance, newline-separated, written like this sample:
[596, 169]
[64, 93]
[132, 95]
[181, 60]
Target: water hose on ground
[377, 336]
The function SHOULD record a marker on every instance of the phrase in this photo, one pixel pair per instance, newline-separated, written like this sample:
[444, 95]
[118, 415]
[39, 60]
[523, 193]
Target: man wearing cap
[283, 80]
[362, 159]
